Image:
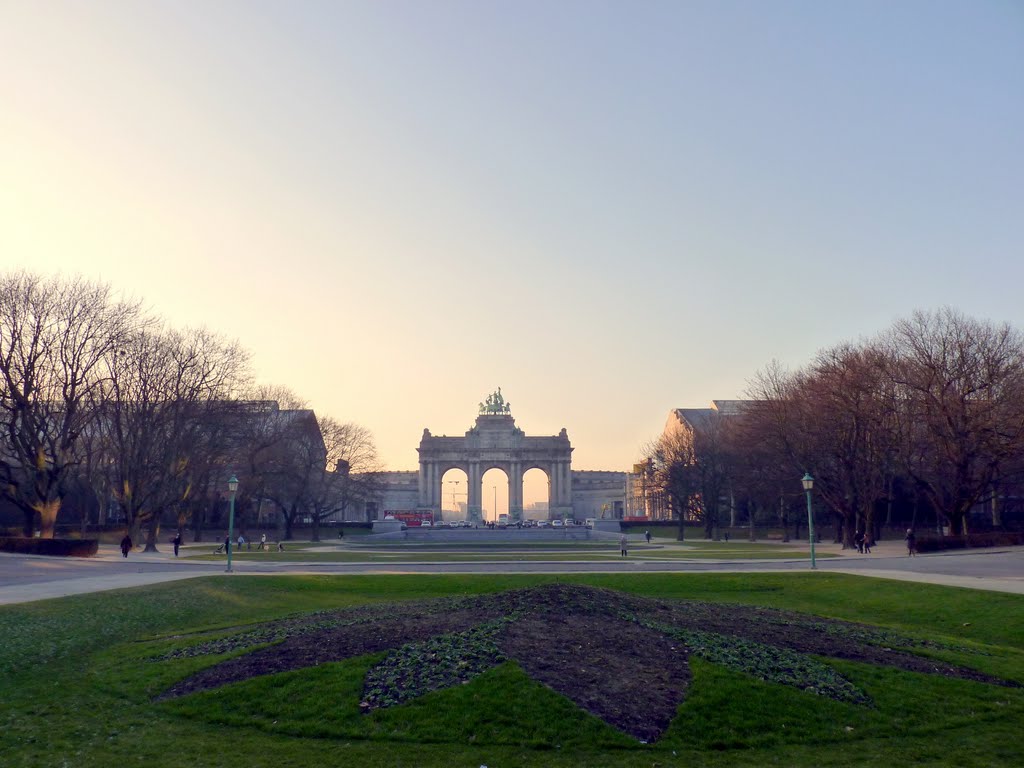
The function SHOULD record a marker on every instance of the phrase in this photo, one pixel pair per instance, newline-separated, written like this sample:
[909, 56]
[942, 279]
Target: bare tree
[762, 474]
[284, 453]
[958, 383]
[54, 336]
[691, 463]
[160, 405]
[832, 419]
[350, 474]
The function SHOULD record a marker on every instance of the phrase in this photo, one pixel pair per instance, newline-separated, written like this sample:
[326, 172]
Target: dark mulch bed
[621, 657]
[629, 676]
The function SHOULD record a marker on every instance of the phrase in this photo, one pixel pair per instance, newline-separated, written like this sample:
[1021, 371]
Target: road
[28, 578]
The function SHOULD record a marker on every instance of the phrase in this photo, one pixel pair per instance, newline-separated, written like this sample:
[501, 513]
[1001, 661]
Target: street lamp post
[808, 482]
[494, 509]
[232, 488]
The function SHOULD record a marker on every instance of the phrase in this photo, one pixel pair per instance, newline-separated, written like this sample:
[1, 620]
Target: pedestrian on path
[622, 544]
[647, 534]
[263, 542]
[911, 540]
[176, 541]
[126, 545]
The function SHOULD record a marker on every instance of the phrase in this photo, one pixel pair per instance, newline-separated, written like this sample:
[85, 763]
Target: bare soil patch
[621, 657]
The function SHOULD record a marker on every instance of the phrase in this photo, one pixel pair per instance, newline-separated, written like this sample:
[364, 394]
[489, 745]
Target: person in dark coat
[126, 545]
[911, 540]
[176, 541]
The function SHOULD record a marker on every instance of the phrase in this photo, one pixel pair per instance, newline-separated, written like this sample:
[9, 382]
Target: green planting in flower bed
[78, 682]
[416, 669]
[771, 664]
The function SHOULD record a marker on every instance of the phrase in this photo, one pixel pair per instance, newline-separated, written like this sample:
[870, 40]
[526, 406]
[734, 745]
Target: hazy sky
[609, 209]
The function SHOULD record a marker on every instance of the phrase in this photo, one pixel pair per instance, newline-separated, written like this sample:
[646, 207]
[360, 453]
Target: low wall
[471, 536]
[52, 547]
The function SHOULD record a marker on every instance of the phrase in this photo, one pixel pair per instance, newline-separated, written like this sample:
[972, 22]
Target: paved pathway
[27, 578]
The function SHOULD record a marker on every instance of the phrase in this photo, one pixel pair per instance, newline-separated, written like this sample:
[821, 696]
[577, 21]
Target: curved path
[27, 578]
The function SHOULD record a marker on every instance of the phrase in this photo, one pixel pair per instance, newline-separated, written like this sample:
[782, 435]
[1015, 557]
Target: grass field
[77, 681]
[331, 551]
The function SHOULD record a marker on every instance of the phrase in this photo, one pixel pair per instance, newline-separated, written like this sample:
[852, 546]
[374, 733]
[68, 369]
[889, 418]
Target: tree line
[930, 412]
[104, 403]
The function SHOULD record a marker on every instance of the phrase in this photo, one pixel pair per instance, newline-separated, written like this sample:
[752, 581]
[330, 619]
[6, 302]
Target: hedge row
[992, 539]
[55, 547]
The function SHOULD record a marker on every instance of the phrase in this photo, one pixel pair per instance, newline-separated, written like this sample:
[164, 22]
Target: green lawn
[305, 551]
[77, 680]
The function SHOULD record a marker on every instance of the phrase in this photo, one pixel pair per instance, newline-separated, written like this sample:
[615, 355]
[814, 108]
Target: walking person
[911, 540]
[647, 535]
[176, 541]
[263, 542]
[622, 544]
[126, 545]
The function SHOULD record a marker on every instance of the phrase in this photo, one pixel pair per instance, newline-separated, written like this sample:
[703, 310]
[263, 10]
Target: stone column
[515, 491]
[561, 490]
[567, 484]
[435, 489]
[422, 488]
[556, 485]
[473, 479]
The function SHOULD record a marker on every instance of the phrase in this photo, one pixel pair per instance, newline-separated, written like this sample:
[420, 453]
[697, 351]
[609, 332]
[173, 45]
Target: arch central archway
[496, 495]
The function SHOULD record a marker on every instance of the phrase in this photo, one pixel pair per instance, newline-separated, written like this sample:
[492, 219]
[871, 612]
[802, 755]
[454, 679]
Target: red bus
[411, 517]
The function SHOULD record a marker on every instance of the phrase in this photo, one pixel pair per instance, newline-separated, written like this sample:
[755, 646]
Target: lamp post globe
[232, 489]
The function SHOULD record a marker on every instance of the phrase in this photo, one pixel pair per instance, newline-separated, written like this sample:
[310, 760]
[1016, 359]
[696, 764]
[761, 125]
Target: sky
[608, 209]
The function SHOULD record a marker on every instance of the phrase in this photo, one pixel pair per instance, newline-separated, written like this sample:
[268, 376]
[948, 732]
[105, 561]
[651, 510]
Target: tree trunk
[152, 533]
[888, 502]
[48, 517]
[289, 517]
[316, 527]
[750, 521]
[681, 535]
[849, 530]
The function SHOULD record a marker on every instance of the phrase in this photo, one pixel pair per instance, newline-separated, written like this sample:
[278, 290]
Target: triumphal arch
[496, 442]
